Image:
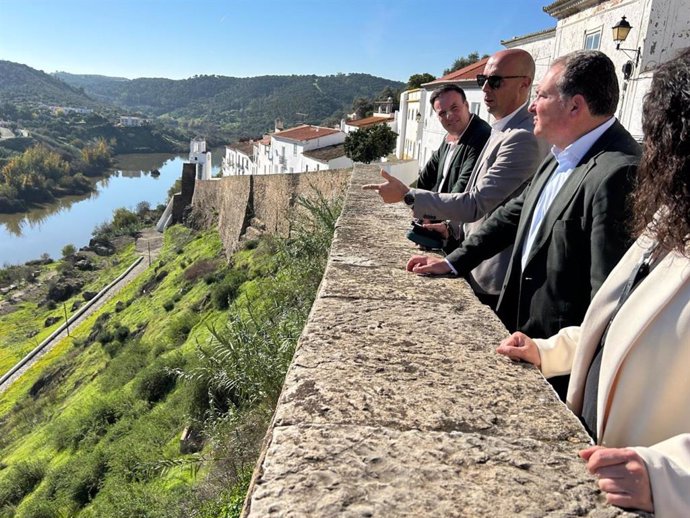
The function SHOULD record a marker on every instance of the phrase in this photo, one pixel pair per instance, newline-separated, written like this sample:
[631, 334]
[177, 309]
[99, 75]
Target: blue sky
[181, 38]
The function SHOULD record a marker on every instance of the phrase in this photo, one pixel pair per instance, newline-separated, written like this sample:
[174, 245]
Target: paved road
[149, 240]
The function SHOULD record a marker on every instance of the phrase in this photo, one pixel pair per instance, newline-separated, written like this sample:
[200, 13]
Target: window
[593, 40]
[474, 108]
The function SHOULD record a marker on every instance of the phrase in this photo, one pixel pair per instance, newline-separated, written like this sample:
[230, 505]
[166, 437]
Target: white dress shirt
[567, 159]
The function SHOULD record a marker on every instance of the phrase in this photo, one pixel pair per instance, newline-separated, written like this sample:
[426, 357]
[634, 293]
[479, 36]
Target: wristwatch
[409, 198]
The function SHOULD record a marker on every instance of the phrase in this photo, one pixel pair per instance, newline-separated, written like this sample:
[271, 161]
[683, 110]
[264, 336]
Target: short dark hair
[591, 74]
[446, 88]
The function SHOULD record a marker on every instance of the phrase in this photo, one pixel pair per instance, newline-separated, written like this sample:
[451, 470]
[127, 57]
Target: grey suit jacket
[508, 161]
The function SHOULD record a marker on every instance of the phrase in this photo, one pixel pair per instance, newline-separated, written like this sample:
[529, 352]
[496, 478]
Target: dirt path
[148, 246]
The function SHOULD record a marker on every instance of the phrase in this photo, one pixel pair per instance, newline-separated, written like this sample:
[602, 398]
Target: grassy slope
[30, 425]
[30, 317]
[94, 428]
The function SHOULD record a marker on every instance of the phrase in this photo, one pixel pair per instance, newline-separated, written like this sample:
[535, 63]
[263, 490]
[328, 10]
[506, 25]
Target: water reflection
[49, 228]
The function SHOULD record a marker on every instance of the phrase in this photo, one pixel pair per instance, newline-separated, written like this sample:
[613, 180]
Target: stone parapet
[396, 403]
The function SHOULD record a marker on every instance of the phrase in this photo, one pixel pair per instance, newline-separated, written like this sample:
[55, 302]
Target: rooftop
[246, 147]
[305, 132]
[370, 121]
[469, 73]
[327, 153]
[564, 8]
[532, 36]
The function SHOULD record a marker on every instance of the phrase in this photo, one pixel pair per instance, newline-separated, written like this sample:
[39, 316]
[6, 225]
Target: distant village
[637, 35]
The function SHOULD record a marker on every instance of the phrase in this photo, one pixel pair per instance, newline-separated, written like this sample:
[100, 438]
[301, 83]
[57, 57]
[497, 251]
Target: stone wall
[396, 403]
[234, 200]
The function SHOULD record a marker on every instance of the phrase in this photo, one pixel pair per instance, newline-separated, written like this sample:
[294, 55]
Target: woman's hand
[519, 346]
[622, 475]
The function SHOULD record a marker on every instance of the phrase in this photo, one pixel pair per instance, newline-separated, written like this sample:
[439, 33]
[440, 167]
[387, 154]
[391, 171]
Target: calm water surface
[26, 236]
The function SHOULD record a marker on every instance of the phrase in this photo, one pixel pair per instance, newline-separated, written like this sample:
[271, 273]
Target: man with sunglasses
[569, 226]
[505, 165]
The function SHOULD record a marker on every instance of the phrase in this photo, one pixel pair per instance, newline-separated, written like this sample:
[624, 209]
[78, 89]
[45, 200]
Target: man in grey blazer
[506, 164]
[450, 166]
[569, 226]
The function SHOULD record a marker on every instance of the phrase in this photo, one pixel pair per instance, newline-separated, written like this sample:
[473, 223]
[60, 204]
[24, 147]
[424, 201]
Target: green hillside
[22, 84]
[239, 106]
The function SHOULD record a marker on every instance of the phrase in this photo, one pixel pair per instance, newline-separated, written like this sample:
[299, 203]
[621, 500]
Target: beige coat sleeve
[668, 464]
[557, 353]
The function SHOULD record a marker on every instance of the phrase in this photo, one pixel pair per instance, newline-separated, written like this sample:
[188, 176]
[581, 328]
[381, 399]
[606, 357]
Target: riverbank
[73, 219]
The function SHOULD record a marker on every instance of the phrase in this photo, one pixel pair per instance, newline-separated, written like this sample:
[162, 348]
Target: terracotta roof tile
[305, 132]
[469, 73]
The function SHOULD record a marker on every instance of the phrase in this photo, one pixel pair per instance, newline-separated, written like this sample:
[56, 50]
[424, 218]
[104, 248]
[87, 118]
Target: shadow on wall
[263, 200]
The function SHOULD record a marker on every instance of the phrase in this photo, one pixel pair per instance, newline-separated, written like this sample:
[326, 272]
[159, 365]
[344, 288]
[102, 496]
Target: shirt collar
[500, 124]
[569, 157]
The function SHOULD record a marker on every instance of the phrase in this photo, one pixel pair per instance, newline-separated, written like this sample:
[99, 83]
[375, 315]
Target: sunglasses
[494, 81]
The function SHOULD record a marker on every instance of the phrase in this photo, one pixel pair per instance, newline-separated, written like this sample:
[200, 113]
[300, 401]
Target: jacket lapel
[543, 174]
[568, 191]
[642, 307]
[440, 181]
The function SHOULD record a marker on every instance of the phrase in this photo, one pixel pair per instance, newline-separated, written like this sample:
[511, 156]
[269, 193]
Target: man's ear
[578, 105]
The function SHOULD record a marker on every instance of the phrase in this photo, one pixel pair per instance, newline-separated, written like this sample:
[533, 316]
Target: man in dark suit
[569, 226]
[450, 166]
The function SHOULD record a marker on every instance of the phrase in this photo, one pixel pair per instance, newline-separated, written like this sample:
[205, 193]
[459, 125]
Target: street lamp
[620, 33]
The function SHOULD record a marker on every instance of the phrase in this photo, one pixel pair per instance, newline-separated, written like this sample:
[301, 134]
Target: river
[70, 220]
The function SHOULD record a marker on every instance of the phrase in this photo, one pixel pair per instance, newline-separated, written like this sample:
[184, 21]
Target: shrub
[226, 291]
[179, 329]
[80, 478]
[168, 306]
[200, 268]
[68, 250]
[88, 423]
[121, 333]
[20, 481]
[155, 382]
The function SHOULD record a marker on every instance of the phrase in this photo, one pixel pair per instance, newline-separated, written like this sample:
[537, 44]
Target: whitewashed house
[660, 29]
[128, 121]
[288, 147]
[240, 159]
[199, 156]
[301, 149]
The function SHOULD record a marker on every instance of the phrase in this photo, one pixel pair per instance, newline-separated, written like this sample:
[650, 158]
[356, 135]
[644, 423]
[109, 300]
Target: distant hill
[239, 106]
[22, 84]
[213, 106]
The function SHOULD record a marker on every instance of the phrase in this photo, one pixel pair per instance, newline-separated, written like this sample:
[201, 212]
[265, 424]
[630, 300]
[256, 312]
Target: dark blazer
[469, 148]
[582, 237]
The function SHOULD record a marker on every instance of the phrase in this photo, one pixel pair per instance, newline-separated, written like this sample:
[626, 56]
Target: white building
[293, 150]
[202, 158]
[240, 159]
[660, 29]
[132, 122]
[350, 125]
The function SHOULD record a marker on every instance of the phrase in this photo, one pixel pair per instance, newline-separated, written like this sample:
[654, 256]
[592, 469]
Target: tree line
[39, 175]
